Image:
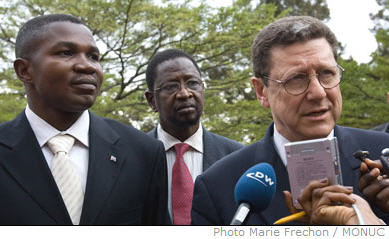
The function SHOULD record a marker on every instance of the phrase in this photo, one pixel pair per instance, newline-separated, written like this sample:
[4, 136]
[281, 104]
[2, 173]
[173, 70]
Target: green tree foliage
[381, 18]
[365, 86]
[314, 8]
[364, 97]
[130, 32]
[379, 67]
[12, 97]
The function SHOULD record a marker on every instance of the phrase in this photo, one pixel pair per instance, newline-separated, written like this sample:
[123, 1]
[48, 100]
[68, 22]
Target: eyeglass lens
[298, 83]
[174, 86]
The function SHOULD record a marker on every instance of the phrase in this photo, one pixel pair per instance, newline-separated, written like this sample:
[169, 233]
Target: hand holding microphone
[374, 181]
[254, 191]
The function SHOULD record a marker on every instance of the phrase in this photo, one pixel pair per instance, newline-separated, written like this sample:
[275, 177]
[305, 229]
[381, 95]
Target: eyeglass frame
[180, 87]
[283, 83]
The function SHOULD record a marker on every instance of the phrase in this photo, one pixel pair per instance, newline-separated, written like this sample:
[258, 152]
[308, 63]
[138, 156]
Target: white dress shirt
[193, 158]
[79, 153]
[280, 141]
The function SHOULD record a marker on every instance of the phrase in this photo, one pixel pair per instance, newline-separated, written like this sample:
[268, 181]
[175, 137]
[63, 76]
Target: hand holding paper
[326, 204]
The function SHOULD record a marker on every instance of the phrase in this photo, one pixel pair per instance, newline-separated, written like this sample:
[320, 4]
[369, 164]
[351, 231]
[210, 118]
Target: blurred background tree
[130, 32]
[365, 86]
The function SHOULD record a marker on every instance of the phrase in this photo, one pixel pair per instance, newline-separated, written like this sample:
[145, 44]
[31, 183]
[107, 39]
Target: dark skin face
[179, 113]
[63, 76]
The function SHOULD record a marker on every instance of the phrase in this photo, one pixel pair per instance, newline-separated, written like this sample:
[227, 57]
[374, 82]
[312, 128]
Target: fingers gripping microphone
[254, 191]
[385, 160]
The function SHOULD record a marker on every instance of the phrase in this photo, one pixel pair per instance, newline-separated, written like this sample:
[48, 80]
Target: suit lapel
[104, 167]
[265, 152]
[153, 133]
[277, 208]
[349, 165]
[26, 164]
[210, 155]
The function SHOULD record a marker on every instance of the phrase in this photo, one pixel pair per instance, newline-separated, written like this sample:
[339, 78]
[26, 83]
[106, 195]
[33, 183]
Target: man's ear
[261, 91]
[22, 69]
[151, 100]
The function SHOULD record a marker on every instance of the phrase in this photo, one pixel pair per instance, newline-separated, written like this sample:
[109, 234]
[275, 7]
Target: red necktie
[182, 187]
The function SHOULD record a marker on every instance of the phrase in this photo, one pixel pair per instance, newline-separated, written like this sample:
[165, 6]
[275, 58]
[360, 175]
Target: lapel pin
[113, 158]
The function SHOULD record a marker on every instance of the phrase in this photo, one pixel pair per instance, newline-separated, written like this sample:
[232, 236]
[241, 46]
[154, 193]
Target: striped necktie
[68, 182]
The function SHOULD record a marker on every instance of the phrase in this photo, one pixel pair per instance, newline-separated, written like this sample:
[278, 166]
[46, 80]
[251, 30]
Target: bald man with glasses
[296, 76]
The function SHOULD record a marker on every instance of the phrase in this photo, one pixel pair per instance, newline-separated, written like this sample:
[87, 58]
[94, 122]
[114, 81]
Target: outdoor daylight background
[219, 35]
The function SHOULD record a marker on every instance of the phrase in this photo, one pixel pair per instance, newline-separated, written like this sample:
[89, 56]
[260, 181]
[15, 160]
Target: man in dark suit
[176, 92]
[297, 77]
[113, 173]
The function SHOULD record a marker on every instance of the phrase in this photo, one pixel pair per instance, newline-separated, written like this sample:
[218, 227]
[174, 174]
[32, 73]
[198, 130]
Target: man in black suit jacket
[297, 77]
[124, 170]
[176, 92]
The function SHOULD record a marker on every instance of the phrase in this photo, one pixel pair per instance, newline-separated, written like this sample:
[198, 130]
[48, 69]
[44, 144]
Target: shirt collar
[44, 131]
[195, 141]
[280, 141]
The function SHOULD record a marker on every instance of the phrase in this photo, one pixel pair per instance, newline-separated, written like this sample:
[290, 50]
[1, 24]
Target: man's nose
[315, 89]
[184, 92]
[85, 64]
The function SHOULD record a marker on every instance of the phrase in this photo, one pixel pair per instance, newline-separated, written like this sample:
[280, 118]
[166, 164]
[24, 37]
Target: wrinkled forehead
[315, 53]
[176, 67]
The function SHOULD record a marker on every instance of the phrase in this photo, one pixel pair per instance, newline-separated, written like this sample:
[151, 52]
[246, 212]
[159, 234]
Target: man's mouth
[186, 108]
[316, 113]
[85, 84]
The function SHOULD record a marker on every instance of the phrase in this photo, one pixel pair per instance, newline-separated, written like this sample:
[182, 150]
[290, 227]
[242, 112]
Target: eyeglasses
[175, 86]
[298, 82]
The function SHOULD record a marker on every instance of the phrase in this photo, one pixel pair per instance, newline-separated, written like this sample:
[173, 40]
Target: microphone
[385, 160]
[254, 191]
